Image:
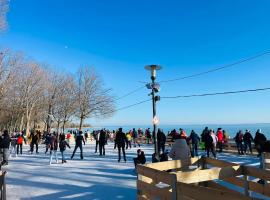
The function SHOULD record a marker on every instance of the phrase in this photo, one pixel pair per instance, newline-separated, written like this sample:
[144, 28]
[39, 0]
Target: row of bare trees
[4, 4]
[31, 94]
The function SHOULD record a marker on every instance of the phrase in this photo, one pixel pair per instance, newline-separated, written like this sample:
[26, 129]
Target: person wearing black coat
[5, 144]
[78, 144]
[259, 140]
[120, 140]
[34, 142]
[161, 140]
[102, 142]
[195, 140]
[63, 144]
[247, 141]
[140, 158]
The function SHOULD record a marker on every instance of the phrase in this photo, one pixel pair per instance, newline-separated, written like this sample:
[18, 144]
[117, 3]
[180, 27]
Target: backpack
[20, 140]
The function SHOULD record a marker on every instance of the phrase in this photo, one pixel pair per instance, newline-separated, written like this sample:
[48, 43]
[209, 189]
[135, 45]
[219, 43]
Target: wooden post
[246, 186]
[174, 187]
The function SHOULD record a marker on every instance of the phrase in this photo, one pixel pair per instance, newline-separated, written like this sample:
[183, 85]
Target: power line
[216, 93]
[129, 106]
[219, 68]
[130, 93]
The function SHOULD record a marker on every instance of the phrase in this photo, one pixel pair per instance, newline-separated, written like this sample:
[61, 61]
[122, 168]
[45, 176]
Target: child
[62, 145]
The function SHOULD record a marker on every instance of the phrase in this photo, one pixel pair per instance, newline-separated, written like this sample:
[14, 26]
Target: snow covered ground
[95, 177]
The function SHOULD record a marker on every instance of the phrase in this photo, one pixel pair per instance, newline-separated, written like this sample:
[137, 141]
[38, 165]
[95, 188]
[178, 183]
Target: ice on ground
[95, 177]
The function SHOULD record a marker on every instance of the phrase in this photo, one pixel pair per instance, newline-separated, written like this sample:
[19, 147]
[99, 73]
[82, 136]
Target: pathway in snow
[95, 177]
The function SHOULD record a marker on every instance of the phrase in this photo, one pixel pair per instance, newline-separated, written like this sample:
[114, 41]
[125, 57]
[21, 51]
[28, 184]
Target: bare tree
[93, 99]
[31, 84]
[4, 6]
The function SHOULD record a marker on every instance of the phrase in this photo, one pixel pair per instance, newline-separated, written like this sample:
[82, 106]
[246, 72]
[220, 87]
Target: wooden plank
[219, 163]
[208, 174]
[173, 164]
[256, 172]
[198, 193]
[266, 155]
[152, 191]
[156, 175]
[235, 181]
[259, 188]
[214, 185]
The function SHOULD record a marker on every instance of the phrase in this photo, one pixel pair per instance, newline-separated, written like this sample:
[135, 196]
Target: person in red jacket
[220, 139]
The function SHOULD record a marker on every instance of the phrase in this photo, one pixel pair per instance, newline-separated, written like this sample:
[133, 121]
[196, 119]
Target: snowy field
[95, 177]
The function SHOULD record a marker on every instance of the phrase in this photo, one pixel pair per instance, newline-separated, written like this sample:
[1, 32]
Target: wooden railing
[199, 178]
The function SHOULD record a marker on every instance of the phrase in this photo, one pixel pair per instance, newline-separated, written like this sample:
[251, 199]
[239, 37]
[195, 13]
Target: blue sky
[120, 37]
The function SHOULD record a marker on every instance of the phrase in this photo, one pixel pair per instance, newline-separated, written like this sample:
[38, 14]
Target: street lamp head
[153, 69]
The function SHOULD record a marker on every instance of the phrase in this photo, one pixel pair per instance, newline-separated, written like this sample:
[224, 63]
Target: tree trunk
[21, 124]
[81, 123]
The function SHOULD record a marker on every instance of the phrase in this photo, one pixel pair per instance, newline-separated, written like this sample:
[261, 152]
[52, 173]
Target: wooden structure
[199, 179]
[3, 185]
[265, 161]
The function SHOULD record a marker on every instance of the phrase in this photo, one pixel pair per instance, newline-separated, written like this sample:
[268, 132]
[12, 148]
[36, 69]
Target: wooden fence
[199, 179]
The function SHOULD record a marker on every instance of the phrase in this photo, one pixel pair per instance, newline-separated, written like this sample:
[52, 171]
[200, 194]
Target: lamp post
[155, 88]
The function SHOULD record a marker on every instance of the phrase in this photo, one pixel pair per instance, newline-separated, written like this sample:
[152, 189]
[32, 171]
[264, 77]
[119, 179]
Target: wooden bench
[199, 179]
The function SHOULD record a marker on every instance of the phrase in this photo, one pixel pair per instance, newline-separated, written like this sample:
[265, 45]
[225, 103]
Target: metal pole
[154, 124]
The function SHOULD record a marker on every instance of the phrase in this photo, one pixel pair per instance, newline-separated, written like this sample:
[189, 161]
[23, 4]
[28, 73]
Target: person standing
[53, 148]
[161, 141]
[204, 135]
[148, 135]
[96, 136]
[129, 138]
[102, 142]
[195, 140]
[247, 141]
[78, 144]
[13, 143]
[220, 139]
[239, 142]
[259, 140]
[47, 142]
[5, 144]
[120, 141]
[63, 144]
[34, 142]
[85, 136]
[20, 141]
[210, 143]
[135, 138]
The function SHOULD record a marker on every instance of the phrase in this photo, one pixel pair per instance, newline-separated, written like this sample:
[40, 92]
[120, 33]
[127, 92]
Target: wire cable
[216, 93]
[219, 68]
[129, 106]
[130, 93]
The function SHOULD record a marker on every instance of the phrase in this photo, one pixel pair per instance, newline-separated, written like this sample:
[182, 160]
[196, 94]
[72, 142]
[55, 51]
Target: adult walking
[120, 141]
[5, 144]
[102, 142]
[78, 144]
[161, 140]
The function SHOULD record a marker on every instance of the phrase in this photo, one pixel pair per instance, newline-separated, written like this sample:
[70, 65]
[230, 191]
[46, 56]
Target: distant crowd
[181, 145]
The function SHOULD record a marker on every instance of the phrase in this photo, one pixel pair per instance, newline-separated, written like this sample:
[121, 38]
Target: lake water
[230, 129]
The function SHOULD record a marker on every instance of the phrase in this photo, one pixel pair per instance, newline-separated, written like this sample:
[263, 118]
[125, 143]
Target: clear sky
[120, 37]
